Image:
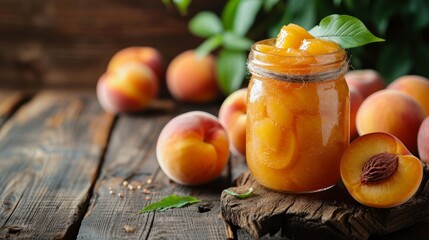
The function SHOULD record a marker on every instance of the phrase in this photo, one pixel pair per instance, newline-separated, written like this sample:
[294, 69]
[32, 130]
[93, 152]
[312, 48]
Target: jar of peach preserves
[297, 118]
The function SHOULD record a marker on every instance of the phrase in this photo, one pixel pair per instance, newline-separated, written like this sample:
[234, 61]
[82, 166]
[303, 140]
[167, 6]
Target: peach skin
[193, 148]
[423, 141]
[356, 100]
[367, 81]
[191, 78]
[392, 112]
[148, 56]
[232, 115]
[416, 87]
[379, 171]
[129, 88]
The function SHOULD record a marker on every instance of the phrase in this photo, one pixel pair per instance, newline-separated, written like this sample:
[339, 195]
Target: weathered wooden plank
[131, 156]
[9, 101]
[331, 214]
[50, 152]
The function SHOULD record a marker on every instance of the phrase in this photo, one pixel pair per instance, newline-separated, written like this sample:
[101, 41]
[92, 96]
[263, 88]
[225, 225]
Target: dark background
[68, 43]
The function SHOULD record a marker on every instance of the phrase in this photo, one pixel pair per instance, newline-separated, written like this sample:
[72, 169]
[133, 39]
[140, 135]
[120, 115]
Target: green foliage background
[404, 25]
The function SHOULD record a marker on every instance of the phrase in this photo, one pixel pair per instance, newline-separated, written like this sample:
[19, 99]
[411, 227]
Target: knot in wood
[379, 168]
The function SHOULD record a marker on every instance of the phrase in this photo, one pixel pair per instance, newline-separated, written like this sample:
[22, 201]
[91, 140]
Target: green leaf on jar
[347, 31]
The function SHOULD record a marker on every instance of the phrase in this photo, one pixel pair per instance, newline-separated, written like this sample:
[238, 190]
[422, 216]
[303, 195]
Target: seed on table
[120, 195]
[111, 192]
[131, 187]
[139, 187]
[125, 183]
[129, 229]
[149, 181]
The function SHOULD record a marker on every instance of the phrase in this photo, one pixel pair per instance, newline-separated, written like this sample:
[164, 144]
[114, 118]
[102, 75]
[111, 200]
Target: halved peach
[379, 171]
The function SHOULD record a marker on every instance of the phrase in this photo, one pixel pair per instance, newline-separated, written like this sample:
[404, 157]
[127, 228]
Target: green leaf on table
[347, 31]
[230, 70]
[240, 195]
[205, 24]
[235, 42]
[172, 201]
[209, 45]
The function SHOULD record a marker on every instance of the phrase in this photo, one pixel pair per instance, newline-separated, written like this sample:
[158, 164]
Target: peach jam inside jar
[297, 113]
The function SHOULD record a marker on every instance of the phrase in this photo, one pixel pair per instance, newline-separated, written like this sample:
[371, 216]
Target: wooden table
[61, 155]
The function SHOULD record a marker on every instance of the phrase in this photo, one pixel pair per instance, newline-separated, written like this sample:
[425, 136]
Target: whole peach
[367, 81]
[129, 88]
[232, 115]
[193, 148]
[392, 112]
[356, 100]
[191, 78]
[146, 55]
[415, 86]
[423, 141]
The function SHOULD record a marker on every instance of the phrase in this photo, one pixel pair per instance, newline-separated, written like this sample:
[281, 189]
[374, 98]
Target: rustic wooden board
[331, 214]
[50, 152]
[9, 101]
[131, 156]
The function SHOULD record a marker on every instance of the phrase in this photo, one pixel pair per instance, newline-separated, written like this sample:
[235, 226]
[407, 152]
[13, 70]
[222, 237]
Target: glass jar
[298, 111]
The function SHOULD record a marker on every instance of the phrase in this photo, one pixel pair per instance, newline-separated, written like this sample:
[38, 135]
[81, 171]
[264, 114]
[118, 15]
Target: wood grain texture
[9, 101]
[50, 151]
[331, 214]
[68, 43]
[131, 157]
